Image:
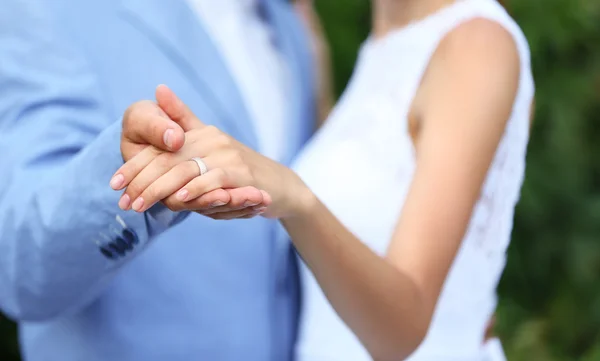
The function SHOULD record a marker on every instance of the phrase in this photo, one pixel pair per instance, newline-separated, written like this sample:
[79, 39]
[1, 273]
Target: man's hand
[144, 124]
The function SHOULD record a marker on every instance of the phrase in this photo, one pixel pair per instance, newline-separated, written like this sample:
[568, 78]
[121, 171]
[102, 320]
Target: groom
[87, 281]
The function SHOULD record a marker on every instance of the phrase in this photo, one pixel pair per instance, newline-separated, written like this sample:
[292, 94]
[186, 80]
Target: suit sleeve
[62, 235]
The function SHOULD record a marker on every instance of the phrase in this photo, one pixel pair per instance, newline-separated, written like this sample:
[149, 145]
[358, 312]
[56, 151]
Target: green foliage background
[550, 293]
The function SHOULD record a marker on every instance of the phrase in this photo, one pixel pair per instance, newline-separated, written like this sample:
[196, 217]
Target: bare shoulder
[479, 44]
[475, 67]
[478, 32]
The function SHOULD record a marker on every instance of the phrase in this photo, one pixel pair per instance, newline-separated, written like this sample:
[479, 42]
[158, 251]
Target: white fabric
[248, 48]
[360, 165]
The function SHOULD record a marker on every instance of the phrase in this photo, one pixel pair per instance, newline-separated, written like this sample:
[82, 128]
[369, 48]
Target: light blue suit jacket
[85, 280]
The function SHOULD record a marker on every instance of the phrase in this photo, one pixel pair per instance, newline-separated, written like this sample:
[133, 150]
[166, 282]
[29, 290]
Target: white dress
[368, 130]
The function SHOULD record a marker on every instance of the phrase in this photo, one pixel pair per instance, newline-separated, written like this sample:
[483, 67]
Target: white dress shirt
[247, 45]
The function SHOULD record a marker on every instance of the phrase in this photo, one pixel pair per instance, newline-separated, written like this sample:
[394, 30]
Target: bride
[401, 206]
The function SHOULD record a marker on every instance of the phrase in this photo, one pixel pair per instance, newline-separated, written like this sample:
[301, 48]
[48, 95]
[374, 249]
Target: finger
[176, 109]
[167, 184]
[267, 200]
[128, 171]
[210, 181]
[130, 149]
[217, 197]
[241, 198]
[244, 213]
[152, 172]
[245, 197]
[221, 200]
[217, 206]
[253, 215]
[146, 123]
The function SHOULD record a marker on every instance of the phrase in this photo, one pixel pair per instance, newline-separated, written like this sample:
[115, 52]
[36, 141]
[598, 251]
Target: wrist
[291, 196]
[302, 201]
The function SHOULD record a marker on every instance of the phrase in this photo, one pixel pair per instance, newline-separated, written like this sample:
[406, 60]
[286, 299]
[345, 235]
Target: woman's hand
[154, 175]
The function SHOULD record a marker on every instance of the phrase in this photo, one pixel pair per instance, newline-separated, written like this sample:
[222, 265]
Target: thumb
[176, 109]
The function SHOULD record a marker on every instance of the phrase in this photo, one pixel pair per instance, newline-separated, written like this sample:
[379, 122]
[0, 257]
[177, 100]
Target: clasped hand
[239, 183]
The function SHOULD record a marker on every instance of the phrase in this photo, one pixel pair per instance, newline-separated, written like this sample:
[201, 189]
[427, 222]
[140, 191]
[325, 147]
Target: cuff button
[130, 236]
[123, 244]
[116, 248]
[107, 253]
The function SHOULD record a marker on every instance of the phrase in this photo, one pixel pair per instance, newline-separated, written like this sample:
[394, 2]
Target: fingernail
[117, 181]
[217, 204]
[260, 210]
[138, 204]
[124, 202]
[168, 138]
[249, 204]
[182, 195]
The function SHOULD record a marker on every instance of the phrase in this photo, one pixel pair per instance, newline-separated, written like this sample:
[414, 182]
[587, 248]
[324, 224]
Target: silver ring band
[201, 165]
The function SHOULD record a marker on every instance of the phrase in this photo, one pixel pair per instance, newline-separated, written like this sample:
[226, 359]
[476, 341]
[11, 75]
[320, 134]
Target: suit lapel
[175, 28]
